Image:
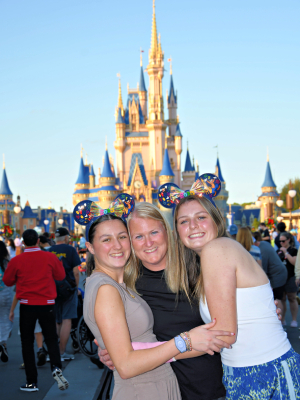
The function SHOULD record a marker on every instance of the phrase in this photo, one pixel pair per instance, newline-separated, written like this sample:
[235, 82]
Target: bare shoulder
[221, 245]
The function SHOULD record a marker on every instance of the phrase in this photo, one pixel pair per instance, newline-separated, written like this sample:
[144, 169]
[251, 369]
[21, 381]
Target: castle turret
[143, 92]
[172, 106]
[166, 174]
[92, 177]
[188, 175]
[221, 199]
[269, 194]
[107, 191]
[120, 142]
[6, 195]
[155, 123]
[83, 182]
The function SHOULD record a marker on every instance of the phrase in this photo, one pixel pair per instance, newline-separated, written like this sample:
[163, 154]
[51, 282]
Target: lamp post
[290, 201]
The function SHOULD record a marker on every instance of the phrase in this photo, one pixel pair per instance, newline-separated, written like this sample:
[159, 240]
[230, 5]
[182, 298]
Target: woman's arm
[111, 321]
[12, 308]
[297, 269]
[218, 266]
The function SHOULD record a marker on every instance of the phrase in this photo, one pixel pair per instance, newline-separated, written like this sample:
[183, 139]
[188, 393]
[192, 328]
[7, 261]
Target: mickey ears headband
[86, 210]
[207, 185]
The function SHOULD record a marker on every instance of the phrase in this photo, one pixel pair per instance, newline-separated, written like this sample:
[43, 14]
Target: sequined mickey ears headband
[207, 185]
[86, 210]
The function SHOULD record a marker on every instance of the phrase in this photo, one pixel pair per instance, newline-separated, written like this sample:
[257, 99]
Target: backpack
[65, 289]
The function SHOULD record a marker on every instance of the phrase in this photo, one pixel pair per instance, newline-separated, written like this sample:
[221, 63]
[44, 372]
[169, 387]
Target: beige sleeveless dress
[158, 384]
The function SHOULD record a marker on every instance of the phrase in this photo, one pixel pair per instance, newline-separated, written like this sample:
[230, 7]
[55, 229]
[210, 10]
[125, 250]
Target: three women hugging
[146, 292]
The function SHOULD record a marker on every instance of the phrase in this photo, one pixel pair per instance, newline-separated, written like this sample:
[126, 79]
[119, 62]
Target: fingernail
[232, 333]
[215, 319]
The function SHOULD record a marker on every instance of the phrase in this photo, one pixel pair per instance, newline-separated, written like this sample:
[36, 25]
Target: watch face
[137, 184]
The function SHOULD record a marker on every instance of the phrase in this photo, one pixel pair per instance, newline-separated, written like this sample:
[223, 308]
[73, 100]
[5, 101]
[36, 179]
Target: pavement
[81, 373]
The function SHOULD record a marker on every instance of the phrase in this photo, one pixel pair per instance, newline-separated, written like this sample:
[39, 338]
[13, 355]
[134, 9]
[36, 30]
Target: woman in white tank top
[234, 289]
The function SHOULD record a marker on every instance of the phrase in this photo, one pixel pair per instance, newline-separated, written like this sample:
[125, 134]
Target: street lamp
[17, 209]
[292, 193]
[279, 202]
[279, 218]
[46, 221]
[60, 221]
[290, 201]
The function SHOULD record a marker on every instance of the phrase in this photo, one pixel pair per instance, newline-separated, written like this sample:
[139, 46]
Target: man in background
[265, 234]
[67, 299]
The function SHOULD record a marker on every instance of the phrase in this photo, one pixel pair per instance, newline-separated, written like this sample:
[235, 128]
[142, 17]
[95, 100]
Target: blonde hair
[175, 278]
[186, 258]
[245, 238]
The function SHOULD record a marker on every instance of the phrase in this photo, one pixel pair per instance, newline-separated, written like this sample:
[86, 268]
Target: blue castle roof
[220, 176]
[178, 131]
[139, 158]
[4, 189]
[166, 169]
[268, 182]
[188, 165]
[172, 90]
[92, 173]
[120, 119]
[83, 175]
[142, 85]
[106, 171]
[27, 212]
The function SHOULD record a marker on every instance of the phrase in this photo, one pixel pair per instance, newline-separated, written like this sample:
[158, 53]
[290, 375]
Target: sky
[235, 66]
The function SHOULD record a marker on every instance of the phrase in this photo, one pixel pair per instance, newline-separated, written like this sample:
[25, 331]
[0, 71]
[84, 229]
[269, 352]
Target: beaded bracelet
[186, 337]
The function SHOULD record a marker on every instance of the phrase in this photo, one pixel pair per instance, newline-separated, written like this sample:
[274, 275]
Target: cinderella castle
[148, 143]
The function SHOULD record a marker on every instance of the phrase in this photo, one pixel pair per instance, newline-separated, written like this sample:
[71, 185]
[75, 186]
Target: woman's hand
[11, 316]
[278, 310]
[104, 357]
[206, 340]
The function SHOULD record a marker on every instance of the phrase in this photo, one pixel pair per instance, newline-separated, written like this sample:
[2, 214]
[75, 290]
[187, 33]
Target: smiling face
[110, 245]
[150, 242]
[195, 226]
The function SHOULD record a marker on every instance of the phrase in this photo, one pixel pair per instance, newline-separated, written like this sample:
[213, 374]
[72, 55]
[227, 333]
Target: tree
[285, 189]
[255, 224]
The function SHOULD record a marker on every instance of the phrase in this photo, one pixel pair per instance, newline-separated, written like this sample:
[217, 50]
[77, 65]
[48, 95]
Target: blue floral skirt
[277, 380]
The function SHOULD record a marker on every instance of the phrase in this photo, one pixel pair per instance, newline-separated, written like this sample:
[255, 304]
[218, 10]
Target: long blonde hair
[245, 238]
[175, 277]
[186, 258]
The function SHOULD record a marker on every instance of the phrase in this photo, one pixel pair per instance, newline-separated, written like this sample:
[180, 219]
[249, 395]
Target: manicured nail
[232, 333]
[214, 319]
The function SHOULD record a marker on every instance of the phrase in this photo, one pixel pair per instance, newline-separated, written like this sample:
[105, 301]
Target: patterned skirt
[277, 380]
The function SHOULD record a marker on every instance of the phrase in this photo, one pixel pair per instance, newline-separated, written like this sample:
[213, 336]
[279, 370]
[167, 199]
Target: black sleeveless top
[199, 378]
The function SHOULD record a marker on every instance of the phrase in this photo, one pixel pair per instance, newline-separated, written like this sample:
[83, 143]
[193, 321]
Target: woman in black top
[288, 255]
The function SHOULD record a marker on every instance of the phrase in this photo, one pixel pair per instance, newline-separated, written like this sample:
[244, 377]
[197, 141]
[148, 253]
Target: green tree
[255, 224]
[285, 189]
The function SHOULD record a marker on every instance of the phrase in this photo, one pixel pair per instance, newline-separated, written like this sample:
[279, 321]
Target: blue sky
[235, 65]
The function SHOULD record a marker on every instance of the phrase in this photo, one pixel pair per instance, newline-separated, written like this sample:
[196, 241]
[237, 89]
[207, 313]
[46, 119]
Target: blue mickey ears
[164, 195]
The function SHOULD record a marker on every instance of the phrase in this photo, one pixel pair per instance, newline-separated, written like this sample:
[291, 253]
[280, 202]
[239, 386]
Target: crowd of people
[45, 277]
[188, 314]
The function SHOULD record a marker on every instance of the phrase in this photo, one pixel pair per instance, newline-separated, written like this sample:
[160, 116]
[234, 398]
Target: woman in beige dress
[118, 316]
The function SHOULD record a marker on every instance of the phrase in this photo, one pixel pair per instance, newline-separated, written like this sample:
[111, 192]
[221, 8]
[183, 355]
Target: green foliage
[246, 204]
[285, 189]
[235, 204]
[255, 224]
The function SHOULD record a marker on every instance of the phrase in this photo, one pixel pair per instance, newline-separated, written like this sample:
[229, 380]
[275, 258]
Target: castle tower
[155, 123]
[6, 195]
[178, 151]
[92, 177]
[120, 142]
[269, 194]
[143, 92]
[83, 182]
[166, 175]
[221, 199]
[172, 106]
[188, 175]
[107, 191]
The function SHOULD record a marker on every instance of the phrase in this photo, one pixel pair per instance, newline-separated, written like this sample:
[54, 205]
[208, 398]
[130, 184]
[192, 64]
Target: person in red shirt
[34, 273]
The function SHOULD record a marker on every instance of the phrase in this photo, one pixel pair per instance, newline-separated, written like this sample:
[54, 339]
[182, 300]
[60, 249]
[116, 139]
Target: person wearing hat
[232, 230]
[66, 305]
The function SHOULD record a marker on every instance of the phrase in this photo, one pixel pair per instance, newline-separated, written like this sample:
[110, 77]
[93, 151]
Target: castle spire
[120, 102]
[218, 170]
[269, 181]
[142, 86]
[154, 43]
[4, 188]
[188, 165]
[166, 169]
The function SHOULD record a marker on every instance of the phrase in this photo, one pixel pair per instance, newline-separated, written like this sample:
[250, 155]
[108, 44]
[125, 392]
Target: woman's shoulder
[221, 245]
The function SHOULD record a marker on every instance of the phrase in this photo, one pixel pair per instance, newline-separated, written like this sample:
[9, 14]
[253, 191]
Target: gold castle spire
[120, 102]
[154, 43]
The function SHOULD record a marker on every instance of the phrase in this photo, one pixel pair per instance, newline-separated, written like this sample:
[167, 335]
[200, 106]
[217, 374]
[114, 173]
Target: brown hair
[257, 236]
[187, 259]
[130, 270]
[288, 235]
[245, 238]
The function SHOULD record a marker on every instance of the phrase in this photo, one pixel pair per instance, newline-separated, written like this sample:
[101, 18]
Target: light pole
[290, 201]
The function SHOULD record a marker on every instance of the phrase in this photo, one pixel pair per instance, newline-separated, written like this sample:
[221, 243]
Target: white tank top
[260, 336]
